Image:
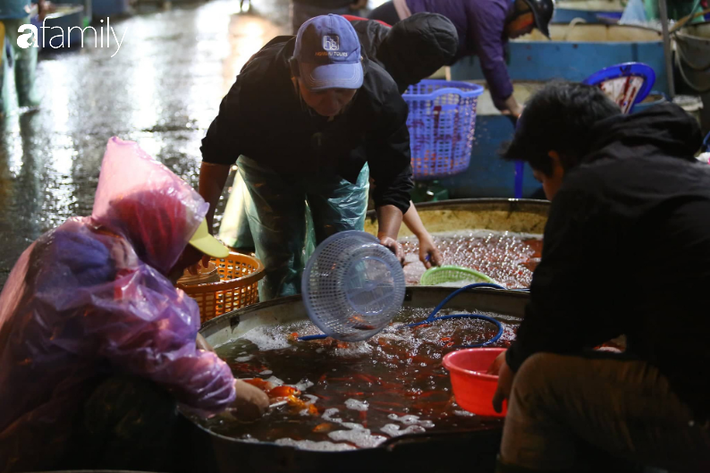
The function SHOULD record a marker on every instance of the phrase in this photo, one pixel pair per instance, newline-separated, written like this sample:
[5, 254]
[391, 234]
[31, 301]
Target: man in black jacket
[627, 251]
[307, 117]
[410, 51]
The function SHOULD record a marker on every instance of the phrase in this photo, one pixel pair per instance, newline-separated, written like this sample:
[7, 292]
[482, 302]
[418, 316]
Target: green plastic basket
[450, 274]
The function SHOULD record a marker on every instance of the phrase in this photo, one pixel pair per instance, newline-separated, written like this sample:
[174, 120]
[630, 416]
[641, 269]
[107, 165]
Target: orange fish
[324, 427]
[283, 391]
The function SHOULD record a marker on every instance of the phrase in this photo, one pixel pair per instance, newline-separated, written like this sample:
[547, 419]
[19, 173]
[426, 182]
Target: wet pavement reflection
[161, 89]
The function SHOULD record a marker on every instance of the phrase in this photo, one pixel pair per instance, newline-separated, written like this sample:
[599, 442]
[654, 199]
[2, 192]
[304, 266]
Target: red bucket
[473, 388]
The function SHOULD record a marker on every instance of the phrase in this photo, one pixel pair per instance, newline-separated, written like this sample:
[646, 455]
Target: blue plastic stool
[623, 76]
[632, 94]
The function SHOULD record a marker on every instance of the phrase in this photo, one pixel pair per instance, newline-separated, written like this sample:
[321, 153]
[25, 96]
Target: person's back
[653, 230]
[626, 252]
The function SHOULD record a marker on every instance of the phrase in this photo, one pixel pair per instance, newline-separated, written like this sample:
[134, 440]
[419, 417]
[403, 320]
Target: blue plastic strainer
[352, 286]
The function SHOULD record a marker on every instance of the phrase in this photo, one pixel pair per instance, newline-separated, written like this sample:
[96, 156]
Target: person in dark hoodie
[484, 27]
[410, 50]
[307, 117]
[626, 252]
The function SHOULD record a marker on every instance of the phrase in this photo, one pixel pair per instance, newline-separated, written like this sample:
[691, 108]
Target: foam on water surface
[323, 446]
[356, 405]
[394, 430]
[357, 394]
[507, 257]
[362, 437]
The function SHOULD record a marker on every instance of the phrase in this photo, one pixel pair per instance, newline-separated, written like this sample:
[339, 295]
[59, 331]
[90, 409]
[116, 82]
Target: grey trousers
[625, 407]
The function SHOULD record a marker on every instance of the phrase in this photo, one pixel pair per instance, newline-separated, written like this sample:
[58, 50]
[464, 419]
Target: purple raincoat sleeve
[148, 328]
[486, 23]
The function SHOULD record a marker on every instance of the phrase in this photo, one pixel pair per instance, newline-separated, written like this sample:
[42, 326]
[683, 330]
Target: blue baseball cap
[328, 53]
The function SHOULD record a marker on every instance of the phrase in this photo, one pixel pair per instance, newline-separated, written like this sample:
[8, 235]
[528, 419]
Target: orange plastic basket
[239, 274]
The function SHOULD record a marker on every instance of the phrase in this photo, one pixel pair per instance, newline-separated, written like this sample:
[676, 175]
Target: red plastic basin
[473, 388]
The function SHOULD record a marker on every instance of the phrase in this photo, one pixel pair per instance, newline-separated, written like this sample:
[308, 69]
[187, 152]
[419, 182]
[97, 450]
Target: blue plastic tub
[441, 122]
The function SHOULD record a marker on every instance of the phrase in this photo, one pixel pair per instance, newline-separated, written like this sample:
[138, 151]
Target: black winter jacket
[263, 118]
[412, 50]
[627, 251]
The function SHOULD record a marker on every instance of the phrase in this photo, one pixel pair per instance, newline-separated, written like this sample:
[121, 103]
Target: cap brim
[540, 25]
[206, 243]
[331, 76]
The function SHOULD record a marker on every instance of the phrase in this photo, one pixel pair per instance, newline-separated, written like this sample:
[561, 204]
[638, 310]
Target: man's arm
[389, 220]
[220, 149]
[486, 24]
[572, 305]
[390, 168]
[212, 179]
[428, 253]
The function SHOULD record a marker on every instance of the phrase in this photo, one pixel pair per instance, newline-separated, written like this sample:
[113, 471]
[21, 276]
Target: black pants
[385, 12]
[127, 423]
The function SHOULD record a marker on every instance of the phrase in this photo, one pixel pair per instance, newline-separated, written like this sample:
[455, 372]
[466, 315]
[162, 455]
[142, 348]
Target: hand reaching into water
[429, 254]
[394, 246]
[250, 404]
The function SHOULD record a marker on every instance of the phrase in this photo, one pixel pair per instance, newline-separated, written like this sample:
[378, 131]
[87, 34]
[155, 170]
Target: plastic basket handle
[443, 91]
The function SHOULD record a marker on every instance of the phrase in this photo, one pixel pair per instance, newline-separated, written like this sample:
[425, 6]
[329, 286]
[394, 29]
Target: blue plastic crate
[441, 122]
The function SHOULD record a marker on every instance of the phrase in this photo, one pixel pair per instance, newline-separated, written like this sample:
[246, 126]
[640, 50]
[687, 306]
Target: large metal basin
[513, 215]
[693, 56]
[472, 451]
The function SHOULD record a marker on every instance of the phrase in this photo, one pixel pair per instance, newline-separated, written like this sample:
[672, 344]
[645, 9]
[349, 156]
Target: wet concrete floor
[161, 89]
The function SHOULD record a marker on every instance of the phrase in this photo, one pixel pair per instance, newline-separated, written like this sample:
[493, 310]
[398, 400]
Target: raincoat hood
[417, 47]
[142, 200]
[665, 129]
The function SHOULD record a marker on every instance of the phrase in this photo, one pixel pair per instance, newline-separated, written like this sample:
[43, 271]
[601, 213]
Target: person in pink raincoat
[90, 320]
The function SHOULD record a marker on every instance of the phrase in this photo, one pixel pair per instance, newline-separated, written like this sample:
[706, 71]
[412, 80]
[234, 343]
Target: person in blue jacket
[484, 27]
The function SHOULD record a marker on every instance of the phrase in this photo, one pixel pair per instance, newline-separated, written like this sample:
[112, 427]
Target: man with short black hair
[626, 252]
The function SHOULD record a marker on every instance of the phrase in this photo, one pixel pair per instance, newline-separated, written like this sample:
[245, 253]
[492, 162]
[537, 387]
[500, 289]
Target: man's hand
[511, 107]
[251, 402]
[389, 219]
[203, 344]
[195, 268]
[394, 247]
[429, 254]
[505, 382]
